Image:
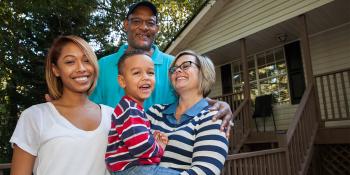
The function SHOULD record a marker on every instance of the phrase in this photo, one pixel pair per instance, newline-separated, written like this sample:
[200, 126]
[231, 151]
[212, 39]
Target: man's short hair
[148, 4]
[128, 54]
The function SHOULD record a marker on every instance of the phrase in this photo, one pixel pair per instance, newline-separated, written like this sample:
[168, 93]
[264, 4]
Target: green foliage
[173, 15]
[27, 28]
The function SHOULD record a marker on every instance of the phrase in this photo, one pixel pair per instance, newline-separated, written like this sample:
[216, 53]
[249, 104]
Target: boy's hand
[161, 139]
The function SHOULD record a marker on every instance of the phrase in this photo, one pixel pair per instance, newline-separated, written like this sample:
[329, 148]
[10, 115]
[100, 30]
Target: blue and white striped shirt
[196, 144]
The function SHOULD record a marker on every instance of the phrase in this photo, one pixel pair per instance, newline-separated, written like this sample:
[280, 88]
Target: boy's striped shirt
[130, 141]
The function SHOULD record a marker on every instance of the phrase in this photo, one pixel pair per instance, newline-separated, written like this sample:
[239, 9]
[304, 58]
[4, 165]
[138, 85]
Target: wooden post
[305, 49]
[288, 168]
[306, 56]
[246, 85]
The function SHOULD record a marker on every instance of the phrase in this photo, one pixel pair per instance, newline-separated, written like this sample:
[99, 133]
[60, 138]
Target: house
[299, 52]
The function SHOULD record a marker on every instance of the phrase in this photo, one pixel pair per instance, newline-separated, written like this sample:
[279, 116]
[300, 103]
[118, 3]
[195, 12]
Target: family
[137, 111]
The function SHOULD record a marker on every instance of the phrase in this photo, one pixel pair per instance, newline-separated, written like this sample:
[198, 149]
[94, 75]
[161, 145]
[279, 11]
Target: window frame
[257, 80]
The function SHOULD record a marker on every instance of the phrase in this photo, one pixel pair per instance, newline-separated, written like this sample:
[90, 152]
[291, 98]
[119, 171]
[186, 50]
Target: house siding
[216, 89]
[283, 113]
[330, 51]
[241, 18]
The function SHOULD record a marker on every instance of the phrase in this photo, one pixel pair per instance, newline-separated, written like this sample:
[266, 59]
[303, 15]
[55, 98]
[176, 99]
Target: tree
[173, 16]
[28, 28]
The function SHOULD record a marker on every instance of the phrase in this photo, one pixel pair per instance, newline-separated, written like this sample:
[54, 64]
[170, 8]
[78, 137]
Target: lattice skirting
[331, 160]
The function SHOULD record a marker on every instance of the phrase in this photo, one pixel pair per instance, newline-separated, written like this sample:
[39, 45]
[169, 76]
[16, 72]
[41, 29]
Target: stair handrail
[256, 153]
[332, 72]
[271, 161]
[241, 128]
[297, 115]
[228, 94]
[294, 157]
[239, 109]
[302, 132]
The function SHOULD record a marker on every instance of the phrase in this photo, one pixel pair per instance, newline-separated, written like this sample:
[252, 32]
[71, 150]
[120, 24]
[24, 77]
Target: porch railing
[241, 129]
[241, 117]
[233, 99]
[266, 162]
[302, 132]
[3, 167]
[291, 159]
[334, 94]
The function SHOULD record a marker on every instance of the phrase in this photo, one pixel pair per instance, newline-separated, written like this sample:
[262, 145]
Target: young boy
[132, 149]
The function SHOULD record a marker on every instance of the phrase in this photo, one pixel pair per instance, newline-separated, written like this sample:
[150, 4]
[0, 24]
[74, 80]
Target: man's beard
[145, 47]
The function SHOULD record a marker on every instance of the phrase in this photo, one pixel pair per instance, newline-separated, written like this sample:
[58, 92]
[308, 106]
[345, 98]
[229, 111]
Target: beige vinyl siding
[284, 114]
[241, 18]
[330, 51]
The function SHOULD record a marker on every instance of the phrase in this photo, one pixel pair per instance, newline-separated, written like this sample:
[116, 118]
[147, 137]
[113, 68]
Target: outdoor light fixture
[281, 37]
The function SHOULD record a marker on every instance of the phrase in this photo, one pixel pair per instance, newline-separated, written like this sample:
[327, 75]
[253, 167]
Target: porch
[299, 150]
[312, 131]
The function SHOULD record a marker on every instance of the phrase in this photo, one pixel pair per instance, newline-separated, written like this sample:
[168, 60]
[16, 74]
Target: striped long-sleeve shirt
[196, 144]
[130, 141]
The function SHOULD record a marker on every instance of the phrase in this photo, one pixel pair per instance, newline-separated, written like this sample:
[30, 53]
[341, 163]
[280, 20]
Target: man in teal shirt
[141, 26]
[109, 92]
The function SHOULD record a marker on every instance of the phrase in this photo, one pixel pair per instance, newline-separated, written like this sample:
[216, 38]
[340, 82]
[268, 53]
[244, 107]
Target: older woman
[196, 144]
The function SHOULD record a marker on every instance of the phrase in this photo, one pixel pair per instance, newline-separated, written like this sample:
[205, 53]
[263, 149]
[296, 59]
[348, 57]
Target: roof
[197, 24]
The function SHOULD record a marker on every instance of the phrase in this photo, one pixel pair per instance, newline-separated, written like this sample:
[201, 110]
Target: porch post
[246, 86]
[305, 49]
[306, 56]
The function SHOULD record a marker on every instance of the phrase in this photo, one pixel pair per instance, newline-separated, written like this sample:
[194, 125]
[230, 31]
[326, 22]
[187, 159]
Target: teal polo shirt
[108, 91]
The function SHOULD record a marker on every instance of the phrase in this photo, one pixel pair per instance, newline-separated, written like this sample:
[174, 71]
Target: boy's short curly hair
[128, 54]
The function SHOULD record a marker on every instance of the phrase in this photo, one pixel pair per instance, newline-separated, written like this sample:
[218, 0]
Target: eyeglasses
[138, 22]
[184, 66]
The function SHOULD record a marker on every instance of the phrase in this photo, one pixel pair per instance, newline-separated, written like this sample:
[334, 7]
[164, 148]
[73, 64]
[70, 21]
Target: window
[295, 71]
[226, 81]
[267, 75]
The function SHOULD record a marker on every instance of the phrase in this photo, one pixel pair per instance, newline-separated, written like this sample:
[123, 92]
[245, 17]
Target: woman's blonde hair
[206, 70]
[54, 84]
